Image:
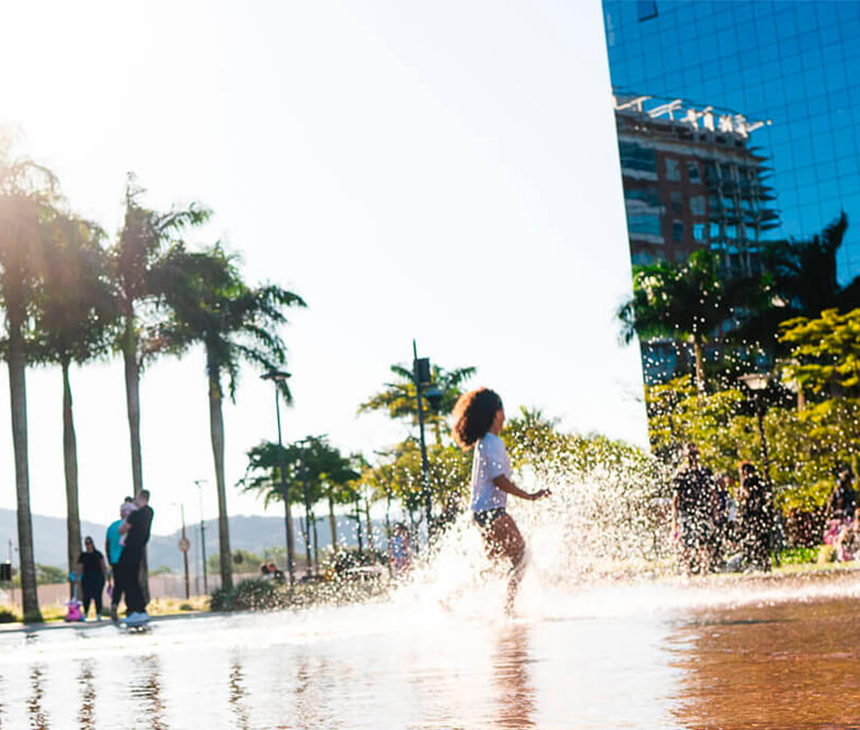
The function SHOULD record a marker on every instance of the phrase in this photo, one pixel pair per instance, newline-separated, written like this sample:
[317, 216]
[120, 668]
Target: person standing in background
[136, 529]
[113, 551]
[91, 568]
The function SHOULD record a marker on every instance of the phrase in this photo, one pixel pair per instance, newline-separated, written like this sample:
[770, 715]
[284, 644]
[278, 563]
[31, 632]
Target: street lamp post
[421, 377]
[199, 483]
[279, 376]
[758, 383]
[183, 548]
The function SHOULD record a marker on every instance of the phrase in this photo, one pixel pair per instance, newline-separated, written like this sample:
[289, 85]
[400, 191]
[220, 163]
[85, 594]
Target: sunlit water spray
[601, 625]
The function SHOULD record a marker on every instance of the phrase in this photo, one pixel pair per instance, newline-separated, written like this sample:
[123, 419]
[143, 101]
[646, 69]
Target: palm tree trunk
[308, 536]
[70, 462]
[358, 527]
[132, 401]
[216, 431]
[700, 366]
[18, 395]
[368, 524]
[316, 544]
[332, 522]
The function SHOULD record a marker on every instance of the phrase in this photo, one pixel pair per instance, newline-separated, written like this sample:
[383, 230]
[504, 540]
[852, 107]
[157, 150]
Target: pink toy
[74, 612]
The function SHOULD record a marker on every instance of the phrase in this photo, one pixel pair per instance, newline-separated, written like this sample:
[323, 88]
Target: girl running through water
[478, 421]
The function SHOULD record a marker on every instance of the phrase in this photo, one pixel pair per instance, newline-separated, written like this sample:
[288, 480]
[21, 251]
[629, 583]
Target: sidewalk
[93, 625]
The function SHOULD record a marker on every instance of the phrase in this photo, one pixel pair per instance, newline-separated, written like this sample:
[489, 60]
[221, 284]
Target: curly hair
[474, 414]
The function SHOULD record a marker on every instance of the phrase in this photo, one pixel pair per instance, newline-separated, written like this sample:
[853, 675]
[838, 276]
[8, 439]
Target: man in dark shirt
[136, 529]
[692, 511]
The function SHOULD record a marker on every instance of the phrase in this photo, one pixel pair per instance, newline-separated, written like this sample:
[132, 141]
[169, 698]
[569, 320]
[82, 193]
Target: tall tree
[799, 280]
[399, 400]
[28, 197]
[209, 303]
[144, 241]
[73, 324]
[314, 469]
[681, 301]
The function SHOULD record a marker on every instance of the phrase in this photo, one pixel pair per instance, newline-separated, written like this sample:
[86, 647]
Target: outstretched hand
[541, 493]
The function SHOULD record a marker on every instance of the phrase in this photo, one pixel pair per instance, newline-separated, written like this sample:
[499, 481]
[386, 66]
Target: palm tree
[399, 397]
[144, 241]
[209, 303]
[28, 196]
[682, 301]
[800, 280]
[314, 469]
[73, 324]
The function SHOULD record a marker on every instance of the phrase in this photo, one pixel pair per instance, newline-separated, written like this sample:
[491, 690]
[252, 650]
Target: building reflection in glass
[738, 123]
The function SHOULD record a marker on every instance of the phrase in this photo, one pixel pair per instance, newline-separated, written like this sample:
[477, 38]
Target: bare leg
[505, 541]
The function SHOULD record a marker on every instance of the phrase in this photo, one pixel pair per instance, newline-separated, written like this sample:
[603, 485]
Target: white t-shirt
[490, 461]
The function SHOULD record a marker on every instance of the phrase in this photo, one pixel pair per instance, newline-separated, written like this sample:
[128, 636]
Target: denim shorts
[485, 518]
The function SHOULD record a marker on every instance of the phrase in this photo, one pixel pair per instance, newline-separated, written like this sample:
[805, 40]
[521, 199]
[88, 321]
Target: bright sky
[440, 170]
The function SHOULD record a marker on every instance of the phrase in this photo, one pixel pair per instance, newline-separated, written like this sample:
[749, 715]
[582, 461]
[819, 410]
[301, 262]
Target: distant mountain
[250, 533]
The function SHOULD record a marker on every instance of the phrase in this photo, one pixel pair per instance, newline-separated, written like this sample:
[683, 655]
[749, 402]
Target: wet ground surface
[794, 665]
[645, 656]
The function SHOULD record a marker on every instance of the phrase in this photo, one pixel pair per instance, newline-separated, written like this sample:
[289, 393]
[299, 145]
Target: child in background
[124, 511]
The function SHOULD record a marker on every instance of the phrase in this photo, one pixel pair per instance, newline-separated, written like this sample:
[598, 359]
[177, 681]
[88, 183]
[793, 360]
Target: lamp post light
[277, 377]
[758, 383]
[422, 378]
[200, 483]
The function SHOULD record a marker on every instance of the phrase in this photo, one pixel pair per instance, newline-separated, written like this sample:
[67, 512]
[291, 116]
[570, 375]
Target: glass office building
[738, 122]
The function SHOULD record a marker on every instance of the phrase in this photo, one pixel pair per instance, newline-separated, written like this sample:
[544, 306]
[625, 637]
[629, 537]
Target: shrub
[254, 594]
[7, 616]
[826, 554]
[223, 599]
[257, 594]
[798, 555]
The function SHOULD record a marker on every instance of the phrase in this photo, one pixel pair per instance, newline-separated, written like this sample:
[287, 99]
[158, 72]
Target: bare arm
[124, 527]
[506, 485]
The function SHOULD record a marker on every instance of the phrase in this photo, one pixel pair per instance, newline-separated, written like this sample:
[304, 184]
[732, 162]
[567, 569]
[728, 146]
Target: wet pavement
[721, 654]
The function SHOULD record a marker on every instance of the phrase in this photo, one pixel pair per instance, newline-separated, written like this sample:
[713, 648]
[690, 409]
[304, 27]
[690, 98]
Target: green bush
[826, 554]
[795, 556]
[7, 617]
[223, 599]
[257, 594]
[254, 594]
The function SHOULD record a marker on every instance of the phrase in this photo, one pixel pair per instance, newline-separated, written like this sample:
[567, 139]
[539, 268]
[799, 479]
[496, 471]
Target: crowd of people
[125, 541]
[715, 529]
[719, 523]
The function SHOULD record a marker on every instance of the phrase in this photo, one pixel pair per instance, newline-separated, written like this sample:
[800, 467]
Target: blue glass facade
[793, 65]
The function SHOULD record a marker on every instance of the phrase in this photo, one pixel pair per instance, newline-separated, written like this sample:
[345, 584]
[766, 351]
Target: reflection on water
[38, 719]
[651, 656]
[792, 665]
[146, 688]
[516, 695]
[87, 715]
[237, 696]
